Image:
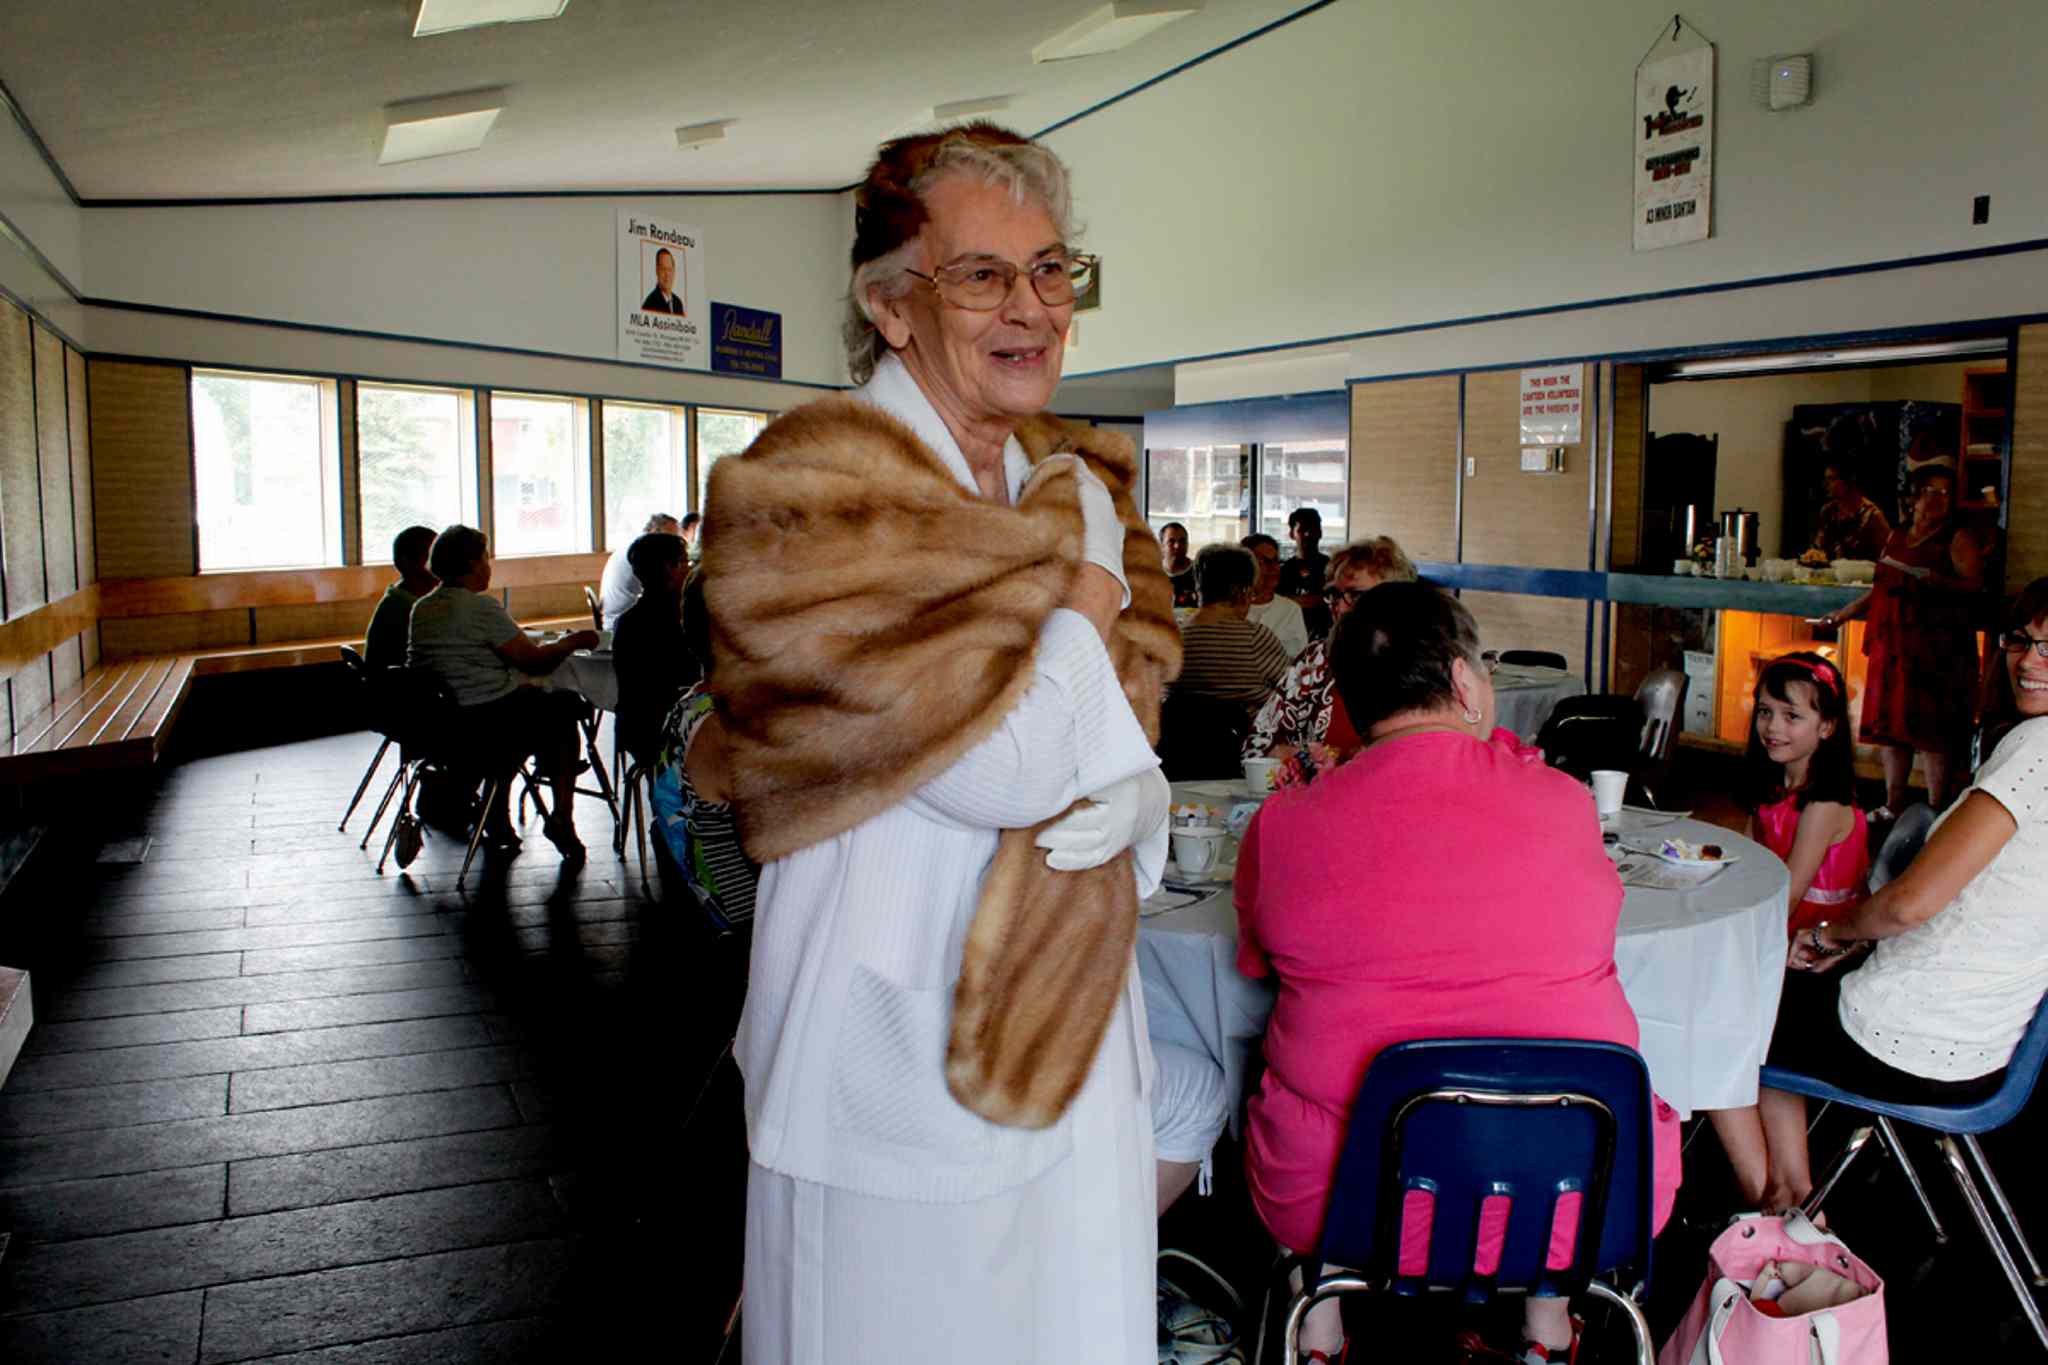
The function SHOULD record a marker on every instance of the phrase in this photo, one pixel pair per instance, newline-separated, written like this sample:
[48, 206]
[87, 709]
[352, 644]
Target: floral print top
[1297, 711]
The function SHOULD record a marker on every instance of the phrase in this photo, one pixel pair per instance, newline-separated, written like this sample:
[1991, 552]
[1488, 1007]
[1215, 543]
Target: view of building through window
[417, 457]
[644, 451]
[1223, 493]
[266, 486]
[1303, 474]
[540, 475]
[722, 432]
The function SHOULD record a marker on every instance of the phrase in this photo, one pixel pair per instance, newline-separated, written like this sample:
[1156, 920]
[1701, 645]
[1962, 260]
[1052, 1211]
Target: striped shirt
[1231, 659]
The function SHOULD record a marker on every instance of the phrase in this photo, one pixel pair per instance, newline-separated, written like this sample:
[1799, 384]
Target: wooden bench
[118, 715]
[15, 1017]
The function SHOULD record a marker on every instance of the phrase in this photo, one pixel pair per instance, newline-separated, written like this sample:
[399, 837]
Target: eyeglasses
[2019, 642]
[981, 285]
[1346, 598]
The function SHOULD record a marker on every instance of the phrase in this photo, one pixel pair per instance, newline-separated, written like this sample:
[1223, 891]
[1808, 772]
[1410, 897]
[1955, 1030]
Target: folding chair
[1948, 1122]
[359, 672]
[1492, 1166]
[590, 600]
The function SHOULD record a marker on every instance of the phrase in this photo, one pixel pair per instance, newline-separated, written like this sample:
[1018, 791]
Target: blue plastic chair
[1949, 1123]
[1515, 1136]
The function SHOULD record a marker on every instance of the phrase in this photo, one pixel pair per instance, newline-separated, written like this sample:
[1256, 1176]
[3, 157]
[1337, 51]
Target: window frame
[334, 542]
[682, 428]
[700, 486]
[468, 456]
[583, 479]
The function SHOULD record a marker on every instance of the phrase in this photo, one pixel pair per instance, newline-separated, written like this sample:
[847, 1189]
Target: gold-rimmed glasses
[980, 285]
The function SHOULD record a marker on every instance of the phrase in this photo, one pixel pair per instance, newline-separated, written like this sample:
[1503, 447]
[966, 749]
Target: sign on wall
[1674, 141]
[1553, 405]
[746, 341]
[664, 311]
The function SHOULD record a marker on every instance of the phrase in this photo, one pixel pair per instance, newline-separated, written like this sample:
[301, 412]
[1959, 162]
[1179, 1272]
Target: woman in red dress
[1920, 693]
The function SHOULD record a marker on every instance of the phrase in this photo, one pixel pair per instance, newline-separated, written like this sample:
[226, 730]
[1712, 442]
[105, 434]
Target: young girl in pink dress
[1800, 779]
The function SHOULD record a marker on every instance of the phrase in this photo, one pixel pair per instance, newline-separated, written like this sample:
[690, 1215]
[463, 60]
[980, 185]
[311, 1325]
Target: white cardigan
[857, 940]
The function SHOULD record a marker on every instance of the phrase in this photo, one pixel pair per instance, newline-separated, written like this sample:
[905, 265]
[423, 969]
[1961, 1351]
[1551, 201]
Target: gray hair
[1028, 170]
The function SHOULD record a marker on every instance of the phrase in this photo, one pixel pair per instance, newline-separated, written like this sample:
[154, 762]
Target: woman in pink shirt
[1444, 883]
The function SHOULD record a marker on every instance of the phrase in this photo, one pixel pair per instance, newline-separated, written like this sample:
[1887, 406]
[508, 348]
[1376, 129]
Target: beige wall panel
[322, 621]
[142, 470]
[351, 478]
[7, 709]
[67, 664]
[2027, 518]
[564, 599]
[1404, 451]
[53, 444]
[1538, 520]
[20, 487]
[81, 465]
[141, 635]
[89, 647]
[1630, 400]
[1512, 621]
[30, 690]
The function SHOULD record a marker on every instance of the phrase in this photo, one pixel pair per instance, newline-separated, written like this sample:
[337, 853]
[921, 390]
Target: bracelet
[1813, 942]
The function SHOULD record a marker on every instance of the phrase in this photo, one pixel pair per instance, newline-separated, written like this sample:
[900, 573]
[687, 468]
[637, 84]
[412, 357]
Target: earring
[1471, 715]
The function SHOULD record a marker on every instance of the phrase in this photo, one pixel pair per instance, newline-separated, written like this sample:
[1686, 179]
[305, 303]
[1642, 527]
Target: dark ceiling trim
[40, 316]
[1282, 22]
[1612, 301]
[14, 234]
[36, 140]
[203, 315]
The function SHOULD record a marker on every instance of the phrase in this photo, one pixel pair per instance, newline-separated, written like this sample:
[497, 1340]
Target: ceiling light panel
[1113, 26]
[451, 16]
[417, 129]
[697, 134]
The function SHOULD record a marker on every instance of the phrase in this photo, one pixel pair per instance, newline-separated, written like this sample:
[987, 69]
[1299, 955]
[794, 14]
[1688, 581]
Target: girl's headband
[1823, 670]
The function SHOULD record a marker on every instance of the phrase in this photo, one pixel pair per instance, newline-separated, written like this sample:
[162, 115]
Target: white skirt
[1059, 1271]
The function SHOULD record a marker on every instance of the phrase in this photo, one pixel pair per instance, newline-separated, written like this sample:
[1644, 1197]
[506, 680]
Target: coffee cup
[1198, 851]
[1609, 787]
[1259, 773]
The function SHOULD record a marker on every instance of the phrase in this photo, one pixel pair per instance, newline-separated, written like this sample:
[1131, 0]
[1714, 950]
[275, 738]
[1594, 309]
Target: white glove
[1119, 816]
[1102, 538]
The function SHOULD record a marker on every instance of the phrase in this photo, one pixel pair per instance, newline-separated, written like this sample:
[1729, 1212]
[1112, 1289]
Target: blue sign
[746, 341]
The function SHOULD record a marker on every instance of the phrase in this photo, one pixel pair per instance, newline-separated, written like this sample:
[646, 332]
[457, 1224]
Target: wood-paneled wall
[1404, 460]
[2026, 551]
[45, 460]
[1630, 387]
[142, 469]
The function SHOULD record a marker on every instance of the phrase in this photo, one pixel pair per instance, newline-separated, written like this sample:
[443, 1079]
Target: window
[416, 450]
[722, 432]
[266, 474]
[1303, 474]
[644, 447]
[540, 475]
[1205, 488]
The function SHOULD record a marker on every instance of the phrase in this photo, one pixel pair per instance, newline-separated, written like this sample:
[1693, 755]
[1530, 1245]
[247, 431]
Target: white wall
[533, 274]
[1376, 165]
[37, 212]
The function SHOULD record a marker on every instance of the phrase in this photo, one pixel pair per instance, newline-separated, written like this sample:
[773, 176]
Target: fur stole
[874, 620]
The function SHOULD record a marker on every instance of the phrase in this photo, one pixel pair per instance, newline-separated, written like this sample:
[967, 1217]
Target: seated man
[385, 645]
[1269, 609]
[618, 589]
[654, 663]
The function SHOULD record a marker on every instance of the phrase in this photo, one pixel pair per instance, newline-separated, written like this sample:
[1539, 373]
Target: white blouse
[1949, 1000]
[857, 940]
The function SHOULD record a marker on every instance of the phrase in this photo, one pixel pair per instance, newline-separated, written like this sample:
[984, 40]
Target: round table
[1701, 967]
[592, 673]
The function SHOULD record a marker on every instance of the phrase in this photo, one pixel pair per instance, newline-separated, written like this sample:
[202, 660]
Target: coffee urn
[1740, 528]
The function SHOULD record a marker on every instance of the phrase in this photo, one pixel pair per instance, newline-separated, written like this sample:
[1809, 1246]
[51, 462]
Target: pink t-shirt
[1433, 887]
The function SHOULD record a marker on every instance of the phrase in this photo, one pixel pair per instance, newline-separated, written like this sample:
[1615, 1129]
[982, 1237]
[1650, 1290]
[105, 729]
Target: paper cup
[1259, 773]
[1197, 851]
[1608, 788]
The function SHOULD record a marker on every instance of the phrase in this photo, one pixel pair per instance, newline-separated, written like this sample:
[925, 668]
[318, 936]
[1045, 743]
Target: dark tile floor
[276, 1106]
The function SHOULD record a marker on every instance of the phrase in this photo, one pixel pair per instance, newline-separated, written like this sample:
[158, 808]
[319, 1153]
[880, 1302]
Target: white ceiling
[142, 99]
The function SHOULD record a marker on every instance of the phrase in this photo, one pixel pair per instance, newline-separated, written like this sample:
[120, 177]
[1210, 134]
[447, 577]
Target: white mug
[1258, 773]
[1198, 850]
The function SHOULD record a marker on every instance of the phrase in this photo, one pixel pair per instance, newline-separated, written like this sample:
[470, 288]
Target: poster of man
[663, 298]
[664, 311]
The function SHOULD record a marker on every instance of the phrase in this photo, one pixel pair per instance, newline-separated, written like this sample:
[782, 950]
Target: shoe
[499, 840]
[562, 835]
[410, 839]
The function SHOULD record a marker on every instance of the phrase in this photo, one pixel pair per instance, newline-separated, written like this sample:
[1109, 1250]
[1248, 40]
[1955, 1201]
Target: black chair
[1590, 733]
[1201, 738]
[359, 673]
[1534, 658]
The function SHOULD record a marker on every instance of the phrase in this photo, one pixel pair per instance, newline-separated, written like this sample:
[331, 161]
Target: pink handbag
[1826, 1307]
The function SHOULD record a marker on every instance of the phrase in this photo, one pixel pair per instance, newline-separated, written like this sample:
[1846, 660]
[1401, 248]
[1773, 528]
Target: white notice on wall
[1553, 405]
[1674, 142]
[664, 308]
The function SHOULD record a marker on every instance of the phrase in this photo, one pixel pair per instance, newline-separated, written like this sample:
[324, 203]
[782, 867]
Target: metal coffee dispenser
[1740, 529]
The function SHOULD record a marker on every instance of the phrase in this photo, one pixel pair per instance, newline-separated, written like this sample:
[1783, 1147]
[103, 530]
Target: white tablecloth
[1702, 969]
[594, 675]
[1524, 697]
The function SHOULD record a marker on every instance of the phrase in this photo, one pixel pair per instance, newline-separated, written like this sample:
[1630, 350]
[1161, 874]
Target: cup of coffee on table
[1198, 850]
[1609, 787]
[1259, 773]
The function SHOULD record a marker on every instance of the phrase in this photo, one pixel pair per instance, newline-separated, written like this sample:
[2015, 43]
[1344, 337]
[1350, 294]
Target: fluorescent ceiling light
[450, 16]
[697, 134]
[967, 109]
[1837, 358]
[415, 129]
[1115, 25]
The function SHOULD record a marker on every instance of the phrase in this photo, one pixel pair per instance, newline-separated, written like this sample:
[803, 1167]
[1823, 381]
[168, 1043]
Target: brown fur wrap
[873, 620]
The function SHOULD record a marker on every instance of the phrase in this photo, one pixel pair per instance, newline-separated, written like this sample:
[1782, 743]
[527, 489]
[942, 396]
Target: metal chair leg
[1889, 1136]
[476, 835]
[1960, 1169]
[378, 818]
[636, 779]
[1826, 1185]
[1646, 1347]
[411, 775]
[1329, 1287]
[364, 785]
[2005, 1207]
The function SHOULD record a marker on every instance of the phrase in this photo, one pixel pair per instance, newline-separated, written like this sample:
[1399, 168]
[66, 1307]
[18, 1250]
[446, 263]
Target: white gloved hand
[1102, 539]
[1119, 816]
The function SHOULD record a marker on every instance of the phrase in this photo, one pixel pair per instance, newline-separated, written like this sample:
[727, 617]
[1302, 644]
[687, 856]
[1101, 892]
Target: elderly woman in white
[885, 1221]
